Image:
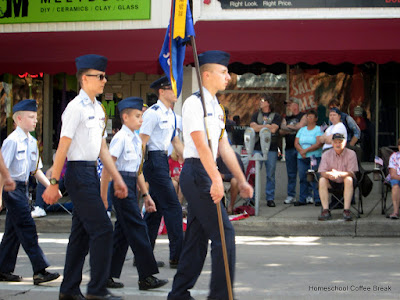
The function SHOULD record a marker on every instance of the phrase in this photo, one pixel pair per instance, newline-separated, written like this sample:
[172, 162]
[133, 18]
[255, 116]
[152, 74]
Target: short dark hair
[334, 102]
[312, 112]
[123, 112]
[79, 75]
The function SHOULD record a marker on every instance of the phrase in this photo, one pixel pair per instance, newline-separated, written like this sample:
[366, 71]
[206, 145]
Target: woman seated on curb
[394, 177]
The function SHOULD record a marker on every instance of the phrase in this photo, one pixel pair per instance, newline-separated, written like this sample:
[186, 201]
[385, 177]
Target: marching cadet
[82, 141]
[21, 157]
[202, 184]
[130, 228]
[158, 131]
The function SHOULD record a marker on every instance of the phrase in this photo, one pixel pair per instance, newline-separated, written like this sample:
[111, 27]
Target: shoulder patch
[155, 107]
[197, 94]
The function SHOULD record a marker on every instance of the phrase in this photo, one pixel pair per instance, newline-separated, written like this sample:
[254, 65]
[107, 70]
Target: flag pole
[220, 223]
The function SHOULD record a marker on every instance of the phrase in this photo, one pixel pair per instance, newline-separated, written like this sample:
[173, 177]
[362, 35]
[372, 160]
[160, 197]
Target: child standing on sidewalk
[21, 157]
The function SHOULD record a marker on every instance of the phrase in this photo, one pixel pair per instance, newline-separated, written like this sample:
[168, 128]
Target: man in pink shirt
[337, 168]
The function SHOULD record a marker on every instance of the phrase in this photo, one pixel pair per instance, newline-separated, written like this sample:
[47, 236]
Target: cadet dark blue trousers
[91, 230]
[20, 229]
[131, 230]
[156, 172]
[202, 226]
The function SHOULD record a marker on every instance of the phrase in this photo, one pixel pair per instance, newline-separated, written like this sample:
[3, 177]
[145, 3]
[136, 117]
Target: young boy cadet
[130, 228]
[21, 157]
[82, 141]
[158, 132]
[202, 184]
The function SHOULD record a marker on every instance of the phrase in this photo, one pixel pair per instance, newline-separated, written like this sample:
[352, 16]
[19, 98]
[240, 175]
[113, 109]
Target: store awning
[265, 41]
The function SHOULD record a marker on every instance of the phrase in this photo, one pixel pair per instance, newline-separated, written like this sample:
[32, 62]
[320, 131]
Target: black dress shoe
[44, 277]
[317, 203]
[62, 296]
[160, 263]
[298, 203]
[271, 203]
[109, 296]
[10, 277]
[114, 285]
[173, 263]
[151, 282]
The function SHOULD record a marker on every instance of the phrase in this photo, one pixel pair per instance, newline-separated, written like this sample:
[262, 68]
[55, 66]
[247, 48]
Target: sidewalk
[282, 220]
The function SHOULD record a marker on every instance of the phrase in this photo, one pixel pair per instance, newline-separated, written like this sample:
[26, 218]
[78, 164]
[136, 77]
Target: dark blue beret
[159, 83]
[91, 61]
[25, 105]
[214, 57]
[130, 102]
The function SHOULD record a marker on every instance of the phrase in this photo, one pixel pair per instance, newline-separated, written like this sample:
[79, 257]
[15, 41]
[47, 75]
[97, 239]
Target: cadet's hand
[149, 204]
[9, 184]
[246, 190]
[120, 188]
[51, 194]
[217, 190]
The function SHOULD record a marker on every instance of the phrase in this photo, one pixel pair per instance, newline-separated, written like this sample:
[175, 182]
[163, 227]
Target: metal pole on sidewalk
[220, 223]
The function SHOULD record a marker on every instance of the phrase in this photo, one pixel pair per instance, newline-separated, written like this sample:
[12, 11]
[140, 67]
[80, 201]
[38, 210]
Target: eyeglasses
[100, 77]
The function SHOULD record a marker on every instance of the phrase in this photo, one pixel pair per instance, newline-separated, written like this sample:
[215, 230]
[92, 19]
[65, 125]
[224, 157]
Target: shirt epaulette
[197, 94]
[155, 107]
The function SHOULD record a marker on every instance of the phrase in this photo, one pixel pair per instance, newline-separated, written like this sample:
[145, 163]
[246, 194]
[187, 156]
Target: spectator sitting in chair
[227, 176]
[337, 168]
[394, 172]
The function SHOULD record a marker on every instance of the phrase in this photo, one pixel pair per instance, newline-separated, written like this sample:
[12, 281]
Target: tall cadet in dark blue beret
[21, 157]
[82, 141]
[158, 131]
[130, 228]
[202, 184]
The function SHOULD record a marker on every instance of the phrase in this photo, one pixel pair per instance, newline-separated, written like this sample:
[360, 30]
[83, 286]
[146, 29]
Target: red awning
[309, 41]
[265, 41]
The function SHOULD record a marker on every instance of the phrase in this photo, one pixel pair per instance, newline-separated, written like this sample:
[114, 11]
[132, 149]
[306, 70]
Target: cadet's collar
[207, 96]
[85, 97]
[127, 130]
[22, 134]
[164, 109]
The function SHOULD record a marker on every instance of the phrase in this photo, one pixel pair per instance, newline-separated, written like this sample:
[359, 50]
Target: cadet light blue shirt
[21, 154]
[159, 124]
[193, 120]
[83, 122]
[126, 146]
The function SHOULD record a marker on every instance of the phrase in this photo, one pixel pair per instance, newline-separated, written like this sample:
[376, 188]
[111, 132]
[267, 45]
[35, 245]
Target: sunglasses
[100, 77]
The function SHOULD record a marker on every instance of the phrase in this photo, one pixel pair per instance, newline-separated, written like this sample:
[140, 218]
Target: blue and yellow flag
[172, 54]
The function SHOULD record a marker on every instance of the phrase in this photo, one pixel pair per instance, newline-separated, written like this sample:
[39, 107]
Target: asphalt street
[266, 268]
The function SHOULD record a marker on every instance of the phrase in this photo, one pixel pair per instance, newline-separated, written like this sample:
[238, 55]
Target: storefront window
[13, 89]
[353, 85]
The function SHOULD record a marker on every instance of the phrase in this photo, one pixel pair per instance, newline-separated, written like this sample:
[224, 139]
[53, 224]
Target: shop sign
[42, 11]
[238, 4]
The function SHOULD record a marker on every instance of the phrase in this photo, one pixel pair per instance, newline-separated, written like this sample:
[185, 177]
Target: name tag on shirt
[91, 117]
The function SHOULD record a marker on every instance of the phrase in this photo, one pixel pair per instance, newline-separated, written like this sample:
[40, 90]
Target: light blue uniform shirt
[21, 154]
[83, 122]
[193, 120]
[126, 146]
[159, 124]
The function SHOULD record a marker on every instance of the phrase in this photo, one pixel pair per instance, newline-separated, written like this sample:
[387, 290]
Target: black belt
[158, 152]
[129, 174]
[192, 160]
[21, 183]
[83, 163]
